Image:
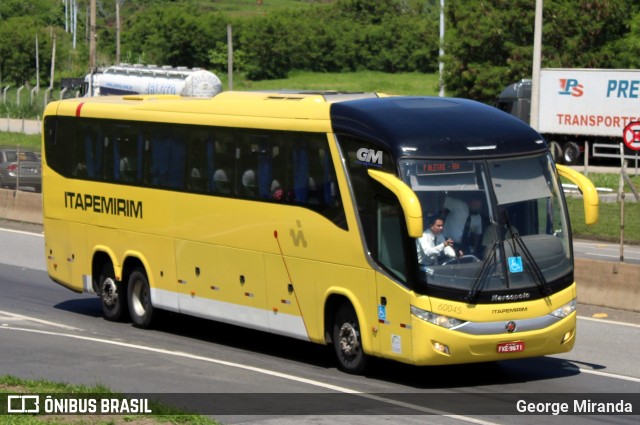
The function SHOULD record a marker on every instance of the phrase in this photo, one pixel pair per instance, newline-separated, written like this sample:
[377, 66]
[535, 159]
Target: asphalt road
[47, 331]
[606, 251]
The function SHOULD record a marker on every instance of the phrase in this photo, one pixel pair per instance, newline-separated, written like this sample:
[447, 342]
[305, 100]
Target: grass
[412, 83]
[611, 181]
[25, 104]
[162, 413]
[250, 8]
[608, 226]
[25, 141]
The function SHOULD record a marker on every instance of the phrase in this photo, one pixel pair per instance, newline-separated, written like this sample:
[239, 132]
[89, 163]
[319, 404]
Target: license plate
[511, 347]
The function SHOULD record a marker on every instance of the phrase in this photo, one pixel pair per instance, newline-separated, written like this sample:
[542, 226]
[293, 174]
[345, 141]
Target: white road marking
[22, 232]
[608, 375]
[14, 316]
[611, 322]
[616, 256]
[257, 370]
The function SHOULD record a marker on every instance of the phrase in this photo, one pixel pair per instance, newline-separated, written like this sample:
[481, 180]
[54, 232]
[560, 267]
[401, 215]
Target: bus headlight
[436, 319]
[565, 310]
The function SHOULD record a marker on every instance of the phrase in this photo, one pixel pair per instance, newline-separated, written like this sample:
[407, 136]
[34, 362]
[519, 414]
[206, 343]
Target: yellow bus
[305, 214]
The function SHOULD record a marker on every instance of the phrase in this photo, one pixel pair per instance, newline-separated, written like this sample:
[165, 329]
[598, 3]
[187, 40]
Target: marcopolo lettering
[511, 297]
[103, 205]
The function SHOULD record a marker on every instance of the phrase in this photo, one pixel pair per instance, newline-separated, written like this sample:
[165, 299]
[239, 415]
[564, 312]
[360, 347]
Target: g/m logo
[369, 156]
[571, 87]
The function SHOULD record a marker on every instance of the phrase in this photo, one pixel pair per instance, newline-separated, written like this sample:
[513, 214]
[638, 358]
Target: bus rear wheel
[139, 295]
[112, 295]
[347, 341]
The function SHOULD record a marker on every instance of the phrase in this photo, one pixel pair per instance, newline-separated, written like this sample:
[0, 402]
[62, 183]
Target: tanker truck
[127, 79]
[578, 106]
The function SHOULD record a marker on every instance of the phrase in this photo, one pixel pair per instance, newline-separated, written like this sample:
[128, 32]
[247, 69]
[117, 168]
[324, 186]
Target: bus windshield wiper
[488, 265]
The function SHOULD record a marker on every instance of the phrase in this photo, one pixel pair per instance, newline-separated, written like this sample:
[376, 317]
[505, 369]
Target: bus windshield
[505, 219]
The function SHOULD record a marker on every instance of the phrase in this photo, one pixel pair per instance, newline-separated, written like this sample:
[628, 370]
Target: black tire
[347, 341]
[556, 151]
[570, 153]
[139, 297]
[113, 295]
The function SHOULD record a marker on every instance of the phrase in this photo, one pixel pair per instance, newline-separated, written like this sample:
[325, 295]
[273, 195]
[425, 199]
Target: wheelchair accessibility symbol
[515, 264]
[382, 312]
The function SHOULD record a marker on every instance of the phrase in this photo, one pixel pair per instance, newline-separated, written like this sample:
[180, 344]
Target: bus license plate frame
[510, 347]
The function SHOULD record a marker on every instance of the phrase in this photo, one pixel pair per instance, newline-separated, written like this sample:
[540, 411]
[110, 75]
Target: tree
[173, 35]
[388, 35]
[15, 57]
[20, 21]
[45, 12]
[489, 42]
[623, 53]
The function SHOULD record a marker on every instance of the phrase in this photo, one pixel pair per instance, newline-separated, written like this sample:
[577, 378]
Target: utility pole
[53, 61]
[66, 15]
[74, 22]
[37, 64]
[117, 31]
[230, 56]
[441, 54]
[537, 59]
[92, 35]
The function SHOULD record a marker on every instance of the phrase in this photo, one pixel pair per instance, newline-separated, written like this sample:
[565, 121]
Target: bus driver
[433, 245]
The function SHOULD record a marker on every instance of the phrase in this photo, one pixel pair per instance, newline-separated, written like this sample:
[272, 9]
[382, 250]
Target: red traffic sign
[631, 135]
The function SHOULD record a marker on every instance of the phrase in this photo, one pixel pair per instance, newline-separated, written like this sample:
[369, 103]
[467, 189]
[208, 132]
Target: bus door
[393, 299]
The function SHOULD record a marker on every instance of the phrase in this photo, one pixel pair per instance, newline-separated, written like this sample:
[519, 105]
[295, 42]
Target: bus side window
[89, 151]
[200, 161]
[177, 163]
[275, 184]
[301, 177]
[81, 143]
[252, 170]
[221, 159]
[126, 155]
[390, 248]
[168, 159]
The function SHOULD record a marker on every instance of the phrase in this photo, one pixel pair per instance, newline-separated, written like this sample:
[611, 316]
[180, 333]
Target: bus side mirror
[408, 200]
[589, 192]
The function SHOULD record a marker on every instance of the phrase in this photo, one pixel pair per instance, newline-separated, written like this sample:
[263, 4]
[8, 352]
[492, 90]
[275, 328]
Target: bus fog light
[442, 348]
[567, 336]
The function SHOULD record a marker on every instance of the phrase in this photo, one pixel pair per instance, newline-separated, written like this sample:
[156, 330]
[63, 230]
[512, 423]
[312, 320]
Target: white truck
[578, 105]
[127, 79]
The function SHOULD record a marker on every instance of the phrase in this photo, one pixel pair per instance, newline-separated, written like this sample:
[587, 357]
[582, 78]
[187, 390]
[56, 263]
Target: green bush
[353, 36]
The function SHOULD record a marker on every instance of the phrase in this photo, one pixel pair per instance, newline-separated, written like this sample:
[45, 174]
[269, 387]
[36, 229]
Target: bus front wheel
[140, 307]
[112, 295]
[347, 341]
